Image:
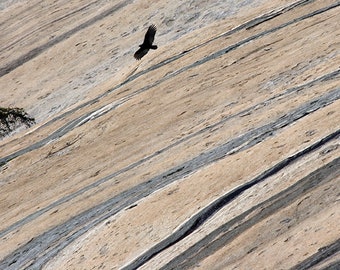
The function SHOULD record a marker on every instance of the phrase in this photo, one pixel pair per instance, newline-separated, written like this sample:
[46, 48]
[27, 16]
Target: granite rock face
[219, 150]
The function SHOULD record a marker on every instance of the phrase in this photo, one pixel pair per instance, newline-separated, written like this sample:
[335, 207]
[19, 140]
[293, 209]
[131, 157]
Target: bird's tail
[154, 47]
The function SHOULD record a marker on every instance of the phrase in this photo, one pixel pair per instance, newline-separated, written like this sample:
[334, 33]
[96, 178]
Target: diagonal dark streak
[322, 254]
[70, 230]
[83, 119]
[198, 219]
[246, 25]
[62, 235]
[38, 50]
[75, 122]
[325, 78]
[228, 231]
[65, 16]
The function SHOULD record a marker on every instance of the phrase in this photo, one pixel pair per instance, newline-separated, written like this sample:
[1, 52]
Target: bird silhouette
[147, 43]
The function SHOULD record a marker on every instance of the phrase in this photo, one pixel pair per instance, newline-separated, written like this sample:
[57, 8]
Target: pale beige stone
[249, 83]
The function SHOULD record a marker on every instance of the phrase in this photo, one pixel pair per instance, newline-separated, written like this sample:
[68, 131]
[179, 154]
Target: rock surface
[219, 150]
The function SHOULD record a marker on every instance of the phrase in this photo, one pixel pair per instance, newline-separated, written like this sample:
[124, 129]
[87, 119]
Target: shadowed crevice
[249, 139]
[42, 248]
[85, 118]
[56, 239]
[197, 220]
[322, 254]
[226, 233]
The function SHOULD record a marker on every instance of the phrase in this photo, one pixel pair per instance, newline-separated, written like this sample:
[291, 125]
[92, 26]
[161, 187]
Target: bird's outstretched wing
[150, 35]
[140, 53]
[147, 43]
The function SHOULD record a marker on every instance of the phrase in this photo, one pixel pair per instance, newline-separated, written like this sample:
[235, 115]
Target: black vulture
[147, 43]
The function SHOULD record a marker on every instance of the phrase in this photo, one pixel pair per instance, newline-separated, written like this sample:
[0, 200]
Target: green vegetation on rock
[13, 118]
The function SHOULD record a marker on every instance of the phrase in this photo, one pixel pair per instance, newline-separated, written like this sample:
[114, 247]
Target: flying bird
[147, 43]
